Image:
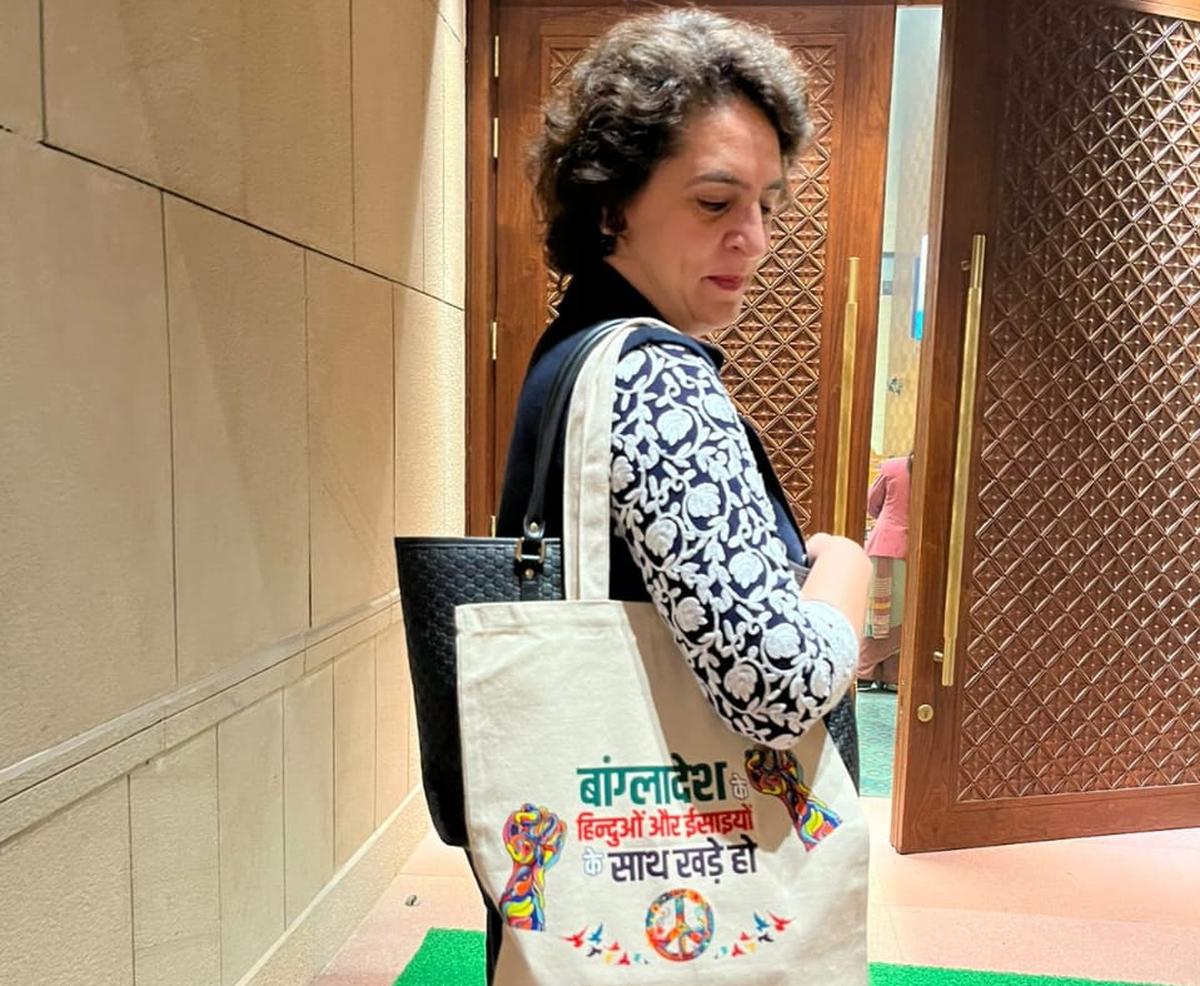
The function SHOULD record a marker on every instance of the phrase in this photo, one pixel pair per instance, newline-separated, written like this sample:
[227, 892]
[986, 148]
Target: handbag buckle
[530, 564]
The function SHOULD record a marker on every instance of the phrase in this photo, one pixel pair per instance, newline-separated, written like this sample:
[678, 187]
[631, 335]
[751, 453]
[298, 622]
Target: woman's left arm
[689, 501]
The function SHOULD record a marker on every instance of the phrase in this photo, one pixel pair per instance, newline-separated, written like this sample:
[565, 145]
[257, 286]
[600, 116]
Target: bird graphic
[780, 923]
[767, 939]
[761, 924]
[576, 940]
[596, 936]
[594, 951]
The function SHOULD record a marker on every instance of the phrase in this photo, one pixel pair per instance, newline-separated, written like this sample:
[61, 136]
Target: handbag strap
[530, 551]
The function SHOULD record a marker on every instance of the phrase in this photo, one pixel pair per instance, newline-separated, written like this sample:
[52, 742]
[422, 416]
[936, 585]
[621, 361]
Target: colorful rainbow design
[680, 925]
[534, 838]
[778, 773]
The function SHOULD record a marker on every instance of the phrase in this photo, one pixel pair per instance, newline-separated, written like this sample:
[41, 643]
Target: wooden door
[1070, 139]
[785, 352]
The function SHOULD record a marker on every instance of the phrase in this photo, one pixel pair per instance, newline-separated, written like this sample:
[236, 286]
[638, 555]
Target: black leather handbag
[438, 574]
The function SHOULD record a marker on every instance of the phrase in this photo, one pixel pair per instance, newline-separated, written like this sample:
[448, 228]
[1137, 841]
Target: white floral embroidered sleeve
[688, 499]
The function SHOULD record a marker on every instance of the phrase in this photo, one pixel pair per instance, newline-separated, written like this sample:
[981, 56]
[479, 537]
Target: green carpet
[917, 975]
[446, 958]
[455, 958]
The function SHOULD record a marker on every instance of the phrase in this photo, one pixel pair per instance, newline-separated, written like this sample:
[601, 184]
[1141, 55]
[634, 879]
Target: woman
[657, 171]
[887, 547]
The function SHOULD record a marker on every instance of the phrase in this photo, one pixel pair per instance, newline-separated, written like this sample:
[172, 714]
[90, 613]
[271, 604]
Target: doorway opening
[899, 331]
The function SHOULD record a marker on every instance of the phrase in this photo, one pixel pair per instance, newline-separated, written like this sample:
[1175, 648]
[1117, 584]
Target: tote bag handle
[587, 464]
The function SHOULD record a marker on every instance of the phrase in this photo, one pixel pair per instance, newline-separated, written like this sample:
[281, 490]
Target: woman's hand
[840, 575]
[818, 545]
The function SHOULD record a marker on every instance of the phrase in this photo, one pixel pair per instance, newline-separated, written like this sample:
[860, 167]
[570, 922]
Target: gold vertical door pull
[962, 458]
[841, 495]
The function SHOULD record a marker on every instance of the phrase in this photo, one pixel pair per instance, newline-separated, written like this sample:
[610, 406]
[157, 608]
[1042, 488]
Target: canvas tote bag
[623, 832]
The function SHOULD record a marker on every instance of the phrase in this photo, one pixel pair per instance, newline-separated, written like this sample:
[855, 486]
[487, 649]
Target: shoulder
[659, 356]
[657, 348]
[654, 335]
[671, 399]
[666, 374]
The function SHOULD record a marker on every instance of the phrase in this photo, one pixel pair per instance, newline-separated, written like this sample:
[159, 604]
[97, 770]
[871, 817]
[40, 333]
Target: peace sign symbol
[679, 925]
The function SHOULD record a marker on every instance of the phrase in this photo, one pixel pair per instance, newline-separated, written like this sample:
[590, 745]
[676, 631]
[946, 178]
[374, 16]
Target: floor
[876, 740]
[1123, 908]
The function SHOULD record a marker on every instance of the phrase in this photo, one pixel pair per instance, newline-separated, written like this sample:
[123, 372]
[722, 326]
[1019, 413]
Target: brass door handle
[846, 405]
[962, 458]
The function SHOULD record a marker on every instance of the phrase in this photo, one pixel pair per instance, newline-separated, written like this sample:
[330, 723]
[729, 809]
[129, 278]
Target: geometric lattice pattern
[1082, 662]
[774, 348]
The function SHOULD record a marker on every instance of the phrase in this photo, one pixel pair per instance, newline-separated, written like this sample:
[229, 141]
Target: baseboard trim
[319, 931]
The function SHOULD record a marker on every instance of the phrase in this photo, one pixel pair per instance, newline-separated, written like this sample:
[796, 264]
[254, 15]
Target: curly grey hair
[626, 104]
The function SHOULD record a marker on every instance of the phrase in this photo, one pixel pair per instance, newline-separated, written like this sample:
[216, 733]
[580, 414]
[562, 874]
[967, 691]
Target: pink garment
[888, 502]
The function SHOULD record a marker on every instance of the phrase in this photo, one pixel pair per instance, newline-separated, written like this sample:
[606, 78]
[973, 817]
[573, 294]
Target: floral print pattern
[689, 501]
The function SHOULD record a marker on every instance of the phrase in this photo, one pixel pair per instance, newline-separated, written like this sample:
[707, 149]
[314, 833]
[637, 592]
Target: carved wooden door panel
[785, 352]
[1072, 142]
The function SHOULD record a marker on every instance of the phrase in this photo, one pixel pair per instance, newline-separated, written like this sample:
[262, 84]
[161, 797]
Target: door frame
[481, 100]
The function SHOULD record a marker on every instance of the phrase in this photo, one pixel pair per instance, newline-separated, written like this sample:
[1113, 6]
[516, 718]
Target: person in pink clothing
[887, 547]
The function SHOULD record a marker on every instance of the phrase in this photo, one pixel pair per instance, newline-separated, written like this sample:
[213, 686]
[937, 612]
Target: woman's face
[696, 231]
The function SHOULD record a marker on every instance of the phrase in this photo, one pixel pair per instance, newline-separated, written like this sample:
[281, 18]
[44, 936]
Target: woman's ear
[612, 221]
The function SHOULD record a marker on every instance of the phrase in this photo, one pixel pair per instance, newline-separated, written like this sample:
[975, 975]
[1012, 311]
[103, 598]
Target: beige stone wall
[231, 366]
